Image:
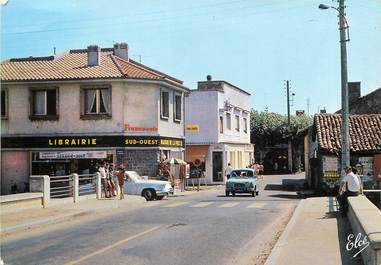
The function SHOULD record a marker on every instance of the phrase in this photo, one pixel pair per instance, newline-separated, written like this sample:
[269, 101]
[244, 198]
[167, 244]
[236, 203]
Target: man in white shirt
[349, 186]
[103, 173]
[228, 171]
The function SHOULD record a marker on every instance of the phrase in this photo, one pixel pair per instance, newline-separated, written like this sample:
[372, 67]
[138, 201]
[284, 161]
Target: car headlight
[166, 188]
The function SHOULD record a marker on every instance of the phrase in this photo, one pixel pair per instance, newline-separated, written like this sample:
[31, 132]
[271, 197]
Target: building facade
[322, 147]
[64, 114]
[217, 129]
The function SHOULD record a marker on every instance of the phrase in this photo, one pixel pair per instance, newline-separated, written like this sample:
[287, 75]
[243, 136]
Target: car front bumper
[239, 189]
[164, 193]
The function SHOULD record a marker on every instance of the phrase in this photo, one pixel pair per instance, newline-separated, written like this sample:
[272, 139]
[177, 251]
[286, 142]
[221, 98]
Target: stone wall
[144, 162]
[14, 170]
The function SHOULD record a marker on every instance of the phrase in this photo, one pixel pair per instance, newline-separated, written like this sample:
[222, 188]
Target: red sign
[129, 128]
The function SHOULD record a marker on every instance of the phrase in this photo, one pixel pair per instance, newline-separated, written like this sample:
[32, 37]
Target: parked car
[242, 181]
[149, 189]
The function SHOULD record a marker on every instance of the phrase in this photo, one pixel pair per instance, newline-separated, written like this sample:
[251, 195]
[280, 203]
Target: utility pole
[289, 146]
[343, 27]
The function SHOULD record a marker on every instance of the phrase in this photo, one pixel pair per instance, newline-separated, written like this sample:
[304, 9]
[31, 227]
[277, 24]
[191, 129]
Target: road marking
[229, 205]
[100, 251]
[176, 204]
[202, 204]
[256, 205]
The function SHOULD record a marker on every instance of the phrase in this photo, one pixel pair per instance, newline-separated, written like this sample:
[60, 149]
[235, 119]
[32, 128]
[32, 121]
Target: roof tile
[364, 131]
[73, 65]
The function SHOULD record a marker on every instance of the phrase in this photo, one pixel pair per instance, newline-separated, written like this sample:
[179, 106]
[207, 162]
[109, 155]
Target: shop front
[213, 159]
[60, 163]
[327, 168]
[63, 155]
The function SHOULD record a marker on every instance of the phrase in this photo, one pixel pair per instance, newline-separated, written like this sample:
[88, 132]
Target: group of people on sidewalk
[112, 180]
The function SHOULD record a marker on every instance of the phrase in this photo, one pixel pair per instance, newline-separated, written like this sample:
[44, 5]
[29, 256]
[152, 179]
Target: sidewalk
[24, 216]
[316, 234]
[27, 215]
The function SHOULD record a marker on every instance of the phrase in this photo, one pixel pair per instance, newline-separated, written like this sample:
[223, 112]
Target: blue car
[242, 181]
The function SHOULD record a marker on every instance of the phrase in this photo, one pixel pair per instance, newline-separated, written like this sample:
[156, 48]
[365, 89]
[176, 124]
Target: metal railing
[87, 184]
[61, 186]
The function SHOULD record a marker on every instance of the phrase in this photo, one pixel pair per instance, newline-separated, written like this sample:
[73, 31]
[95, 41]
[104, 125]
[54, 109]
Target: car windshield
[134, 176]
[242, 174]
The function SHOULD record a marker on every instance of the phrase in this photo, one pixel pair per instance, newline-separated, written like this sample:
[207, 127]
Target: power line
[158, 19]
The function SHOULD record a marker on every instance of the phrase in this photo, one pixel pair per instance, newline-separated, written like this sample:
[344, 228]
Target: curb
[50, 220]
[272, 258]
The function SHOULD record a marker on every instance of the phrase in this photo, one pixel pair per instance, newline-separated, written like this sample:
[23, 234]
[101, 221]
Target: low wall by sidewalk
[316, 234]
[365, 218]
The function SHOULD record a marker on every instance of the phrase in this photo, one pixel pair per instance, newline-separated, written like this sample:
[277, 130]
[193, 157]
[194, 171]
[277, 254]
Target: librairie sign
[90, 141]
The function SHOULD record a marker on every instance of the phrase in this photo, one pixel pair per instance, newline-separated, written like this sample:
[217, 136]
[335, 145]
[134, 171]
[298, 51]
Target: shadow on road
[274, 187]
[285, 196]
[237, 195]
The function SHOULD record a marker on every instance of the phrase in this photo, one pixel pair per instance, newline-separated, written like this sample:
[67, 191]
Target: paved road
[203, 228]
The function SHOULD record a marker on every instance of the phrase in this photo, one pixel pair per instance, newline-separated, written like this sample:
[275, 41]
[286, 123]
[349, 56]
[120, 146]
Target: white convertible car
[149, 189]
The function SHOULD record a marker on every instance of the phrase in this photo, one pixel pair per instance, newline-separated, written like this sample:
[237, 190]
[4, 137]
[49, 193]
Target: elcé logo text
[72, 142]
[356, 243]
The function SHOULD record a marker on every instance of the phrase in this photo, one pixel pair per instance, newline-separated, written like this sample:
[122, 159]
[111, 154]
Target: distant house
[217, 128]
[64, 114]
[322, 147]
[368, 104]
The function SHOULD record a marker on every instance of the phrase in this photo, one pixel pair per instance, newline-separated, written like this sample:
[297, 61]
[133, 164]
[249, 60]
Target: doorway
[217, 166]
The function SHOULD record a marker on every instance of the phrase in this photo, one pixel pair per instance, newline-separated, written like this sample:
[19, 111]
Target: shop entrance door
[217, 166]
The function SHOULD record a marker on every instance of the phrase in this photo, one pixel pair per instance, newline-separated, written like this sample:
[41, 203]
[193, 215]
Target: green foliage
[269, 128]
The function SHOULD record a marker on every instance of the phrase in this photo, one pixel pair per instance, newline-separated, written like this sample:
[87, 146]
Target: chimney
[93, 55]
[354, 91]
[121, 50]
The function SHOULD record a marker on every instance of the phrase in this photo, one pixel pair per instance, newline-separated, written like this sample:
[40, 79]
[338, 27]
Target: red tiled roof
[73, 65]
[364, 131]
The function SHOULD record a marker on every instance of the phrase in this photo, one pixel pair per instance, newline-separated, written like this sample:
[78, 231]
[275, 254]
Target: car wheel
[257, 192]
[149, 194]
[233, 193]
[227, 193]
[253, 193]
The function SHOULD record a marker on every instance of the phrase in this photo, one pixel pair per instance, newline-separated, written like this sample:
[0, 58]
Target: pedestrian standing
[350, 186]
[228, 171]
[110, 177]
[115, 180]
[121, 180]
[102, 172]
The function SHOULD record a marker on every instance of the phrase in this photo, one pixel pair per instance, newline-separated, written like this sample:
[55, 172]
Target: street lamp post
[344, 37]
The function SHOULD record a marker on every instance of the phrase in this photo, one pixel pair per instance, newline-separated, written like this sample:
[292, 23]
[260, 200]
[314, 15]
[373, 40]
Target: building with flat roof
[217, 129]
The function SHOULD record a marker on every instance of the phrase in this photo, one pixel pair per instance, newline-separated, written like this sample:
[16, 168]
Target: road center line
[201, 204]
[256, 205]
[102, 250]
[229, 204]
[176, 204]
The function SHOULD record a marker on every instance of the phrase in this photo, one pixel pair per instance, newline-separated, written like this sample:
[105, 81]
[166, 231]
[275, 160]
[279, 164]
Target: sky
[253, 44]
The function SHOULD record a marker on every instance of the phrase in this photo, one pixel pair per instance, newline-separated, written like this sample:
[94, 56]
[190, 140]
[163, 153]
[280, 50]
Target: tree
[270, 129]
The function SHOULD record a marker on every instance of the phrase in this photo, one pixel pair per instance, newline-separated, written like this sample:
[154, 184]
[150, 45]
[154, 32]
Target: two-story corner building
[217, 128]
[64, 114]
